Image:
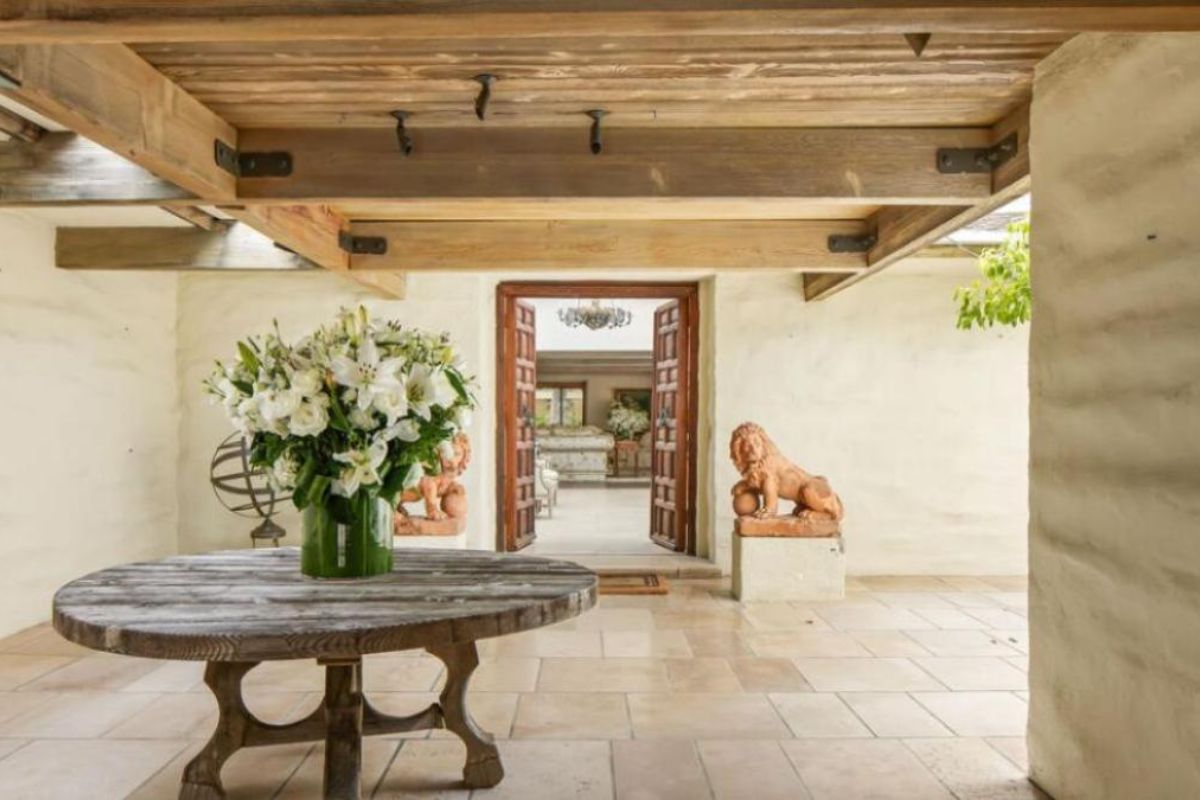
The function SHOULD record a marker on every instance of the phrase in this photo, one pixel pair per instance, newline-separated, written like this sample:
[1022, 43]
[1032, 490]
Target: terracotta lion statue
[767, 476]
[444, 496]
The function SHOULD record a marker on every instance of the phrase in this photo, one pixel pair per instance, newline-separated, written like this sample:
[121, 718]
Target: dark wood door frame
[506, 296]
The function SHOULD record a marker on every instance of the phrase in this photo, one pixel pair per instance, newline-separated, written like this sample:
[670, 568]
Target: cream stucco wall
[1115, 457]
[88, 420]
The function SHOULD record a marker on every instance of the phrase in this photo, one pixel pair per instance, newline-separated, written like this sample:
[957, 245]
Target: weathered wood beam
[856, 165]
[901, 231]
[198, 217]
[784, 245]
[18, 127]
[67, 169]
[112, 96]
[240, 247]
[40, 21]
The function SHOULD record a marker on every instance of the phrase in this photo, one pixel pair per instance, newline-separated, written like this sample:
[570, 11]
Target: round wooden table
[237, 608]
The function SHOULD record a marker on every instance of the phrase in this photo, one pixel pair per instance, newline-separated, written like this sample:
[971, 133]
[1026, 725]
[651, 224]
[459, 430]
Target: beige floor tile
[704, 716]
[616, 619]
[93, 673]
[492, 711]
[1014, 749]
[965, 599]
[171, 676]
[1019, 662]
[968, 583]
[716, 619]
[14, 704]
[961, 644]
[646, 644]
[890, 644]
[603, 675]
[95, 769]
[973, 770]
[401, 673]
[1018, 640]
[999, 619]
[10, 745]
[865, 675]
[977, 713]
[1012, 600]
[571, 715]
[701, 675]
[905, 583]
[542, 770]
[426, 769]
[818, 716]
[768, 675]
[782, 616]
[257, 772]
[894, 715]
[180, 715]
[74, 715]
[1008, 583]
[750, 770]
[286, 676]
[717, 643]
[913, 600]
[658, 770]
[16, 670]
[506, 675]
[950, 619]
[874, 619]
[544, 644]
[984, 673]
[306, 782]
[42, 640]
[860, 769]
[801, 644]
[164, 785]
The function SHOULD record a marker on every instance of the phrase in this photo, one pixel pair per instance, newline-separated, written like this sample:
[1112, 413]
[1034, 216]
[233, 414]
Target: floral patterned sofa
[578, 454]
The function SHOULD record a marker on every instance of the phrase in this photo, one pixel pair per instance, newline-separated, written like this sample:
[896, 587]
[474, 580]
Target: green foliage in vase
[1003, 295]
[360, 408]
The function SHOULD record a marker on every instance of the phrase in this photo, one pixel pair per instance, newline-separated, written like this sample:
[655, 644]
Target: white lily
[368, 375]
[392, 405]
[362, 468]
[428, 387]
[363, 419]
[406, 430]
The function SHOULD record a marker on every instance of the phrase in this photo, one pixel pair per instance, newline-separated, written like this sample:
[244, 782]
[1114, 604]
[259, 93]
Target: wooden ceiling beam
[239, 247]
[19, 128]
[610, 246]
[42, 21]
[198, 217]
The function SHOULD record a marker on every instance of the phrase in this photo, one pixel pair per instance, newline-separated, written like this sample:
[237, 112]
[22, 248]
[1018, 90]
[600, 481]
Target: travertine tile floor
[910, 688]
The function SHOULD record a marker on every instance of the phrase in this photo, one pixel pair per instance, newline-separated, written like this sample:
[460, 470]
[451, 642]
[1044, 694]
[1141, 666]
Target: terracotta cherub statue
[767, 477]
[444, 496]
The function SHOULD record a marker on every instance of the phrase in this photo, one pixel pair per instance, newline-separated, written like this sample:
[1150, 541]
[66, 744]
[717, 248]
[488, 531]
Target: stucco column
[1115, 420]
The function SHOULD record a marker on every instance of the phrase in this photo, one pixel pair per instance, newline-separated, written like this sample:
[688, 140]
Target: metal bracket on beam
[362, 245]
[252, 165]
[958, 160]
[852, 243]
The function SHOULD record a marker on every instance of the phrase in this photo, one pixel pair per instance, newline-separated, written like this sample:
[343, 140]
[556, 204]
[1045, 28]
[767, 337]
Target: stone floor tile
[981, 673]
[1014, 749]
[999, 619]
[16, 670]
[1008, 583]
[874, 619]
[750, 770]
[171, 676]
[42, 640]
[616, 619]
[571, 715]
[10, 745]
[1017, 601]
[961, 644]
[890, 644]
[851, 769]
[977, 713]
[646, 644]
[506, 675]
[894, 715]
[543, 770]
[401, 673]
[684, 715]
[950, 619]
[286, 676]
[818, 716]
[425, 769]
[782, 616]
[717, 619]
[493, 712]
[306, 782]
[905, 583]
[1019, 662]
[13, 704]
[974, 599]
[1018, 640]
[717, 643]
[865, 675]
[658, 770]
[701, 675]
[93, 673]
[544, 644]
[179, 715]
[603, 675]
[974, 770]
[253, 773]
[800, 644]
[914, 600]
[768, 675]
[74, 715]
[164, 784]
[968, 583]
[79, 768]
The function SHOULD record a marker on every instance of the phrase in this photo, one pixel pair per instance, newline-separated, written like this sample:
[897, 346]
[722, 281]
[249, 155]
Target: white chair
[545, 486]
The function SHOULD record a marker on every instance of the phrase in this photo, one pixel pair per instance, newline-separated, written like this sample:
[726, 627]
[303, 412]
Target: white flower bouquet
[626, 422]
[347, 417]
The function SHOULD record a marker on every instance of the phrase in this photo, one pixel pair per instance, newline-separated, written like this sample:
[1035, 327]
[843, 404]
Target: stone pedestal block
[781, 568]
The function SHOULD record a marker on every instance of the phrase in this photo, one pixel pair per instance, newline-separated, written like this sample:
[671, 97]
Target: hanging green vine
[1002, 296]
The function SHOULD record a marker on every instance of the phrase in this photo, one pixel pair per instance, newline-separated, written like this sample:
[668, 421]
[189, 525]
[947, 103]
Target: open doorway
[597, 417]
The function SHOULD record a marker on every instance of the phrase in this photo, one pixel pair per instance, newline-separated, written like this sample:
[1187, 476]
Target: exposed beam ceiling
[171, 249]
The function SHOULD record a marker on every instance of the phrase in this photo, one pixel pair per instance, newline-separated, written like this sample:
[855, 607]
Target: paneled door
[670, 412]
[520, 361]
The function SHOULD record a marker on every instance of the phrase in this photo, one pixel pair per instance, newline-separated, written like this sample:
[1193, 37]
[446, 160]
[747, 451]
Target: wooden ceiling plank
[19, 128]
[112, 96]
[41, 21]
[239, 247]
[198, 217]
[583, 245]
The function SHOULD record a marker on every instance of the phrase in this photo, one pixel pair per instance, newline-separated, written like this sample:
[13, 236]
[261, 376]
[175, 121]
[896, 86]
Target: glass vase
[347, 538]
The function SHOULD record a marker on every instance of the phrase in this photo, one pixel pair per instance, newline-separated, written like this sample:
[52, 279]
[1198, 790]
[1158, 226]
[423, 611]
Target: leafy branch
[1003, 295]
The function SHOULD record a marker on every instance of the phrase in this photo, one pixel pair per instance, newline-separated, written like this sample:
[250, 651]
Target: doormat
[636, 583]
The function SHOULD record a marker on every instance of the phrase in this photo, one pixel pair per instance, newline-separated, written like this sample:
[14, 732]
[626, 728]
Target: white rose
[284, 471]
[406, 430]
[307, 382]
[362, 419]
[393, 405]
[278, 404]
[309, 419]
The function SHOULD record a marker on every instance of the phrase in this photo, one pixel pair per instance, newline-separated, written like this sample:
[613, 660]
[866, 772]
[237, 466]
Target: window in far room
[560, 404]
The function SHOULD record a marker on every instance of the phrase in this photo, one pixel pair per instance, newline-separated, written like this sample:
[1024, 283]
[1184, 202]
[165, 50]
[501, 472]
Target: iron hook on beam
[485, 81]
[402, 138]
[596, 114]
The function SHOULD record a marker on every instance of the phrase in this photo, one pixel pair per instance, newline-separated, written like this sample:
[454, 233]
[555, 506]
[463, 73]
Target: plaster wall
[88, 420]
[1115, 410]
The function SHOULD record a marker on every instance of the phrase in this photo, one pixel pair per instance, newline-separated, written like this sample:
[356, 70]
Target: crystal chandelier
[595, 316]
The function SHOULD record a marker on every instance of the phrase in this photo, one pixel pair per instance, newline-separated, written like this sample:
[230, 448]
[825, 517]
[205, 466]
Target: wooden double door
[673, 408]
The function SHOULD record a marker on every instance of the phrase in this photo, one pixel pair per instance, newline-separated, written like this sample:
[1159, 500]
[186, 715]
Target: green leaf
[457, 382]
[248, 357]
[1004, 294]
[337, 416]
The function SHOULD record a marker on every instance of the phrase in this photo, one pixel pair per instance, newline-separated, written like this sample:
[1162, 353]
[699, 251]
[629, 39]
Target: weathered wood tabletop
[238, 608]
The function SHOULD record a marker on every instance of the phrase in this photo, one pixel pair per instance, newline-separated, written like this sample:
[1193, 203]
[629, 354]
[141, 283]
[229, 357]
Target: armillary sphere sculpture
[245, 490]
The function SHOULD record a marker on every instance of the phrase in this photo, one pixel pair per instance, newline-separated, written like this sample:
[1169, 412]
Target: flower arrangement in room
[346, 418]
[626, 422]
